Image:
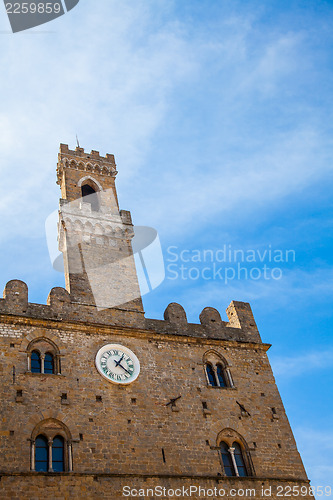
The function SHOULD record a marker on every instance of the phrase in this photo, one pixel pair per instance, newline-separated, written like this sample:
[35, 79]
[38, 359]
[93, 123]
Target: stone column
[227, 371]
[70, 456]
[32, 455]
[216, 375]
[42, 357]
[50, 442]
[232, 453]
[29, 361]
[57, 364]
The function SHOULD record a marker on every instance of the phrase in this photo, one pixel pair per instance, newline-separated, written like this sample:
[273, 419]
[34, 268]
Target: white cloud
[307, 362]
[297, 289]
[108, 81]
[316, 448]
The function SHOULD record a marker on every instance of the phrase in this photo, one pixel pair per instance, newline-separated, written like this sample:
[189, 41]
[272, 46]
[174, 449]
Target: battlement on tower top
[80, 153]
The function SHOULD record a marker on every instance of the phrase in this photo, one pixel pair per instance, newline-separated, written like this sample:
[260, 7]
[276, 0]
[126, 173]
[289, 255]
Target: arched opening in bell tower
[90, 195]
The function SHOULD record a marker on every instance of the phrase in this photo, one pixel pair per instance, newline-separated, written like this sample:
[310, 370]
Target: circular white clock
[117, 364]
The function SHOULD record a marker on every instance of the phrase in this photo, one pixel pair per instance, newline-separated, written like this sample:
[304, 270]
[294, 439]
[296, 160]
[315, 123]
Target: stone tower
[98, 401]
[94, 236]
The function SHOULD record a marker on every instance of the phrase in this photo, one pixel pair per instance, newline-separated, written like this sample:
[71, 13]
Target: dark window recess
[274, 411]
[220, 375]
[204, 405]
[262, 394]
[36, 365]
[98, 398]
[211, 375]
[163, 455]
[58, 462]
[41, 454]
[229, 468]
[227, 461]
[12, 345]
[239, 460]
[279, 445]
[90, 196]
[19, 393]
[81, 437]
[11, 433]
[207, 442]
[91, 419]
[64, 396]
[129, 421]
[48, 363]
[254, 444]
[133, 401]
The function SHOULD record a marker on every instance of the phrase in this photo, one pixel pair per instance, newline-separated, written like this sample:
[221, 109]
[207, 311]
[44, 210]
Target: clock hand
[124, 369]
[118, 362]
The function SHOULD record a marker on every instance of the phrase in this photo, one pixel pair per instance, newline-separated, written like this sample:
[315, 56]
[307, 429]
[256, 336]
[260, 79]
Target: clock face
[117, 364]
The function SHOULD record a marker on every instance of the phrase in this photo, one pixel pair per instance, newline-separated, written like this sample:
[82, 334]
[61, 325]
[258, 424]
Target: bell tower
[94, 235]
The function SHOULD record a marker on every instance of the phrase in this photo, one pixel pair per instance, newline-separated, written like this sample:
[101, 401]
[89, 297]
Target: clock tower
[94, 235]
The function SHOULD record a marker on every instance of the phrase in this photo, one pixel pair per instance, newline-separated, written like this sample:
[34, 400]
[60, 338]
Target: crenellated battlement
[91, 162]
[79, 153]
[241, 326]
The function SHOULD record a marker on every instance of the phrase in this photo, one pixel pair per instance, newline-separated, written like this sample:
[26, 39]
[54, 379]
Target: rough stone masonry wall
[125, 431]
[79, 486]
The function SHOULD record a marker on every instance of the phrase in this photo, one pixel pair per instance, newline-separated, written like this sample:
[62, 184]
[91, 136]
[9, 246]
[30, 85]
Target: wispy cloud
[316, 448]
[296, 289]
[308, 362]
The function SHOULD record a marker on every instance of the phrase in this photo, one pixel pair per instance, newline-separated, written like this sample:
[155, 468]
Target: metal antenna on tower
[77, 141]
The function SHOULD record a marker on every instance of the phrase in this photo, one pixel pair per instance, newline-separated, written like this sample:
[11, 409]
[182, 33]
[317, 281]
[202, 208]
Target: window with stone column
[43, 357]
[217, 370]
[234, 454]
[51, 447]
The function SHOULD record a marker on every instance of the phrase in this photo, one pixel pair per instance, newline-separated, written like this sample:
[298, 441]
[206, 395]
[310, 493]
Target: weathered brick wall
[126, 431]
[113, 487]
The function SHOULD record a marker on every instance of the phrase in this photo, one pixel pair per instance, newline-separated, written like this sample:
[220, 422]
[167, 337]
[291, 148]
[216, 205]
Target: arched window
[91, 196]
[227, 460]
[43, 356]
[211, 375]
[240, 464]
[220, 375]
[51, 447]
[58, 455]
[48, 363]
[42, 454]
[36, 365]
[235, 454]
[217, 370]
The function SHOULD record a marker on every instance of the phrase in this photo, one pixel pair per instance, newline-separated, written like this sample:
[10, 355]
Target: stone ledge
[144, 476]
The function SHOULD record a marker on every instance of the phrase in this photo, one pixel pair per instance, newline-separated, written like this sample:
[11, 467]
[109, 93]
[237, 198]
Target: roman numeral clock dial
[117, 364]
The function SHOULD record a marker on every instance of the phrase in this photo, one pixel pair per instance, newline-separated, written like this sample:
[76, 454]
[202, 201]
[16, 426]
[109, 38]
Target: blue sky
[219, 114]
